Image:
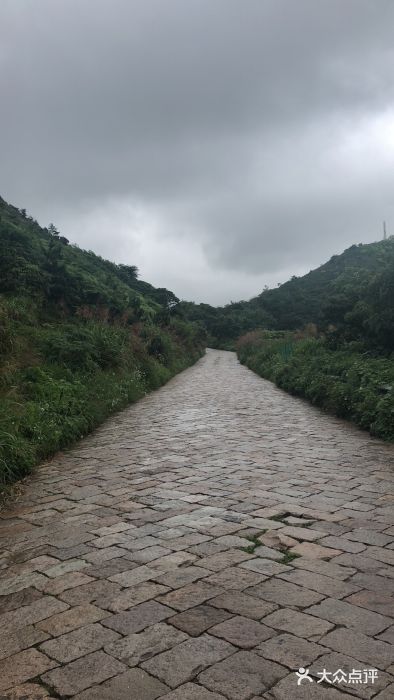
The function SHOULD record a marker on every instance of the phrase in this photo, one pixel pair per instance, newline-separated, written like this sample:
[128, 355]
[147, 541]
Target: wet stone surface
[203, 544]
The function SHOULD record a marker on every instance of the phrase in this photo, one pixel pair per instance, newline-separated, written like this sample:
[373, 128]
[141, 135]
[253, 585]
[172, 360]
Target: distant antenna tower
[384, 231]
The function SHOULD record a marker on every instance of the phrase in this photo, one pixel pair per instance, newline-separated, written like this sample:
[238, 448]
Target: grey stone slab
[267, 567]
[136, 648]
[89, 592]
[268, 553]
[71, 619]
[134, 683]
[199, 619]
[83, 673]
[332, 661]
[110, 568]
[303, 533]
[363, 648]
[312, 550]
[373, 582]
[369, 537]
[325, 568]
[341, 613]
[298, 623]
[290, 651]
[144, 556]
[242, 675]
[386, 694]
[40, 609]
[186, 660]
[177, 578]
[19, 599]
[190, 596]
[243, 604]
[322, 584]
[129, 597]
[139, 617]
[223, 560]
[14, 642]
[347, 545]
[80, 642]
[172, 561]
[283, 593]
[242, 632]
[13, 584]
[22, 667]
[373, 600]
[134, 576]
[387, 635]
[287, 689]
[192, 691]
[235, 579]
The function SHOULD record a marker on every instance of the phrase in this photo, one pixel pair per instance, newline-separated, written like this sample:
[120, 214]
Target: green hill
[332, 337]
[353, 293]
[39, 262]
[80, 337]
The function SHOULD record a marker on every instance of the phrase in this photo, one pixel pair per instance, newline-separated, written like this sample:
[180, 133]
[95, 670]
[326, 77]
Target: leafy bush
[350, 384]
[80, 375]
[84, 347]
[161, 347]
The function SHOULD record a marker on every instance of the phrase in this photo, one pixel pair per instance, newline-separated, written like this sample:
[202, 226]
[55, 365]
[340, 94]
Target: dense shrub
[86, 347]
[75, 376]
[351, 384]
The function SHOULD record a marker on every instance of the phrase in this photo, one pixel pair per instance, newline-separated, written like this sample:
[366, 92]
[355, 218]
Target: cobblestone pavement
[203, 545]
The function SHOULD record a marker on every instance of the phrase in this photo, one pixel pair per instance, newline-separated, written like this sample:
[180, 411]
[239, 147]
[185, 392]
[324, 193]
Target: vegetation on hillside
[80, 337]
[327, 336]
[224, 324]
[353, 293]
[342, 380]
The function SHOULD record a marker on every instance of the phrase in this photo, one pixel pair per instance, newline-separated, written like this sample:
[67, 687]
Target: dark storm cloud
[217, 144]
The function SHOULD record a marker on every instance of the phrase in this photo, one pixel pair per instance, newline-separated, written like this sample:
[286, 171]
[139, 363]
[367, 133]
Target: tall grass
[60, 380]
[346, 382]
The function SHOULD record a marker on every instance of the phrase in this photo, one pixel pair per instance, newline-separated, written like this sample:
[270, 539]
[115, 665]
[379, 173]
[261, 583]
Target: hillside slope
[354, 292]
[341, 355]
[80, 337]
[351, 289]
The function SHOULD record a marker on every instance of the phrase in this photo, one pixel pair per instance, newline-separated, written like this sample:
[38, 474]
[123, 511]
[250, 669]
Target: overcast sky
[219, 145]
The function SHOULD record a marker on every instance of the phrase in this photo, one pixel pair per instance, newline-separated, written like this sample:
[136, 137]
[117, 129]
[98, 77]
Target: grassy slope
[353, 385]
[80, 338]
[344, 360]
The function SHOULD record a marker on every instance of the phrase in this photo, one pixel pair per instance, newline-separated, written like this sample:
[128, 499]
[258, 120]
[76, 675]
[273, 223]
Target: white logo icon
[303, 674]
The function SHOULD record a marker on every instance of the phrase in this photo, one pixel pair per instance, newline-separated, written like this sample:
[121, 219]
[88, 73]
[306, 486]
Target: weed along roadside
[353, 385]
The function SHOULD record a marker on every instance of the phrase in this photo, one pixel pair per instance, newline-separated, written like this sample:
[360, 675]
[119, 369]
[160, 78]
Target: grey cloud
[220, 123]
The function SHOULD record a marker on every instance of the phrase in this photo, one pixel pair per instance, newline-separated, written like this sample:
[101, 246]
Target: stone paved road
[156, 559]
